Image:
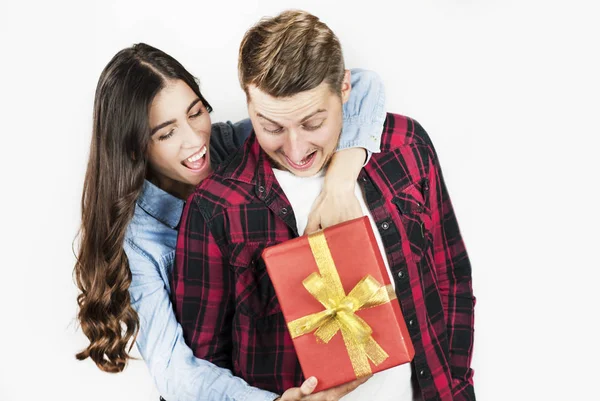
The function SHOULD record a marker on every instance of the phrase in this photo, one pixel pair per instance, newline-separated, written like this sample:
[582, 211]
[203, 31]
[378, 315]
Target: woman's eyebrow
[192, 104]
[162, 125]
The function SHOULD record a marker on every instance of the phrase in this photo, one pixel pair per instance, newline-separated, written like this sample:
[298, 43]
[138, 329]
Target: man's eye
[167, 135]
[274, 131]
[313, 127]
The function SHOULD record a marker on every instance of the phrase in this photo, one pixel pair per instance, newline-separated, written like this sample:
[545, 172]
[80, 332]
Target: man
[292, 70]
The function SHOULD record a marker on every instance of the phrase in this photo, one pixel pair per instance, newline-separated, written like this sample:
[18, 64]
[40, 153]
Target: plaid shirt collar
[256, 169]
[251, 165]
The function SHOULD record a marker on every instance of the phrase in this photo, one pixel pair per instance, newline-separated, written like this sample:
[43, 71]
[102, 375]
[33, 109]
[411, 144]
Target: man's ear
[346, 86]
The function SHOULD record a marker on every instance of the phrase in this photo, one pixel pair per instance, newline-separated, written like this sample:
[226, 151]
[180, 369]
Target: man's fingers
[348, 387]
[308, 386]
[298, 393]
[337, 392]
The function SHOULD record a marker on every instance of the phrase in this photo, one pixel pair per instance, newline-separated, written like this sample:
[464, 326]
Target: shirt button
[261, 189]
[411, 322]
[364, 179]
[385, 225]
[284, 210]
[423, 373]
[401, 274]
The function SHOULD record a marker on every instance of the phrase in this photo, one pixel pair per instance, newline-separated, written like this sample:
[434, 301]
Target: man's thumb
[308, 386]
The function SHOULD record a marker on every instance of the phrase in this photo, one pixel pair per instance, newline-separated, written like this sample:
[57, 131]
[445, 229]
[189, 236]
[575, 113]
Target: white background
[508, 90]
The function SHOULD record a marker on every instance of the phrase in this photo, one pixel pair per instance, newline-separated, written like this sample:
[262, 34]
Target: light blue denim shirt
[150, 243]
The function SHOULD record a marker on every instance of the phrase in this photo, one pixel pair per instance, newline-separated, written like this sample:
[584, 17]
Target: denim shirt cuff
[371, 142]
[256, 394]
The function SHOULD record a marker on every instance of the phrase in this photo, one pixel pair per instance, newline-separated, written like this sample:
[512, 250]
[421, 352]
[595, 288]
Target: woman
[152, 143]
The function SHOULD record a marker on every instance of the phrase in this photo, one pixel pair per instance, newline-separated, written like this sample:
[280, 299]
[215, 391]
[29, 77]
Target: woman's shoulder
[148, 238]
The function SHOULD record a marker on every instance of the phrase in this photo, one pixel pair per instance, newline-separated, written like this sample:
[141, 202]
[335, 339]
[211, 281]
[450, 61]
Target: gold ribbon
[339, 313]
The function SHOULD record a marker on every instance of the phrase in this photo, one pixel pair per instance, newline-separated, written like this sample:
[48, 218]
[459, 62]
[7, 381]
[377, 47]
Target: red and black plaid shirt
[227, 304]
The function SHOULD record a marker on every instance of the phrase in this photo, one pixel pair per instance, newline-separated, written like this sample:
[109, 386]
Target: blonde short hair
[290, 53]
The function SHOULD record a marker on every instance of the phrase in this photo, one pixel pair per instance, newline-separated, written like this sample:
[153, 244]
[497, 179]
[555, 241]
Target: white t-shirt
[391, 384]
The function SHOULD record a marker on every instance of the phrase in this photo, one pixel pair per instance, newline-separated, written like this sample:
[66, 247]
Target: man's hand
[304, 392]
[337, 202]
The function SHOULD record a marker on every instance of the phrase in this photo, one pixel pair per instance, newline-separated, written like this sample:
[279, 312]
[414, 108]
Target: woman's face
[179, 147]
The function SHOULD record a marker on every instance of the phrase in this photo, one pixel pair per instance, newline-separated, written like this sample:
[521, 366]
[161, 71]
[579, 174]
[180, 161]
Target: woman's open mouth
[197, 161]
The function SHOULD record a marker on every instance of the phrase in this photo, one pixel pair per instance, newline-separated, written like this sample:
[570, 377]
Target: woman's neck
[178, 189]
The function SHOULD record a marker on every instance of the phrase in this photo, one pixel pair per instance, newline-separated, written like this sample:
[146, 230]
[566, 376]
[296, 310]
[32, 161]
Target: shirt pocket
[254, 292]
[415, 214]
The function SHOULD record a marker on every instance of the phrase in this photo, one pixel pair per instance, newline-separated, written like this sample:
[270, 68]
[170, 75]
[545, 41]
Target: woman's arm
[227, 137]
[179, 376]
[364, 115]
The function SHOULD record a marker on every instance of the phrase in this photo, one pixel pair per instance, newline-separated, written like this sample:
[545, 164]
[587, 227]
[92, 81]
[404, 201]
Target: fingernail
[312, 381]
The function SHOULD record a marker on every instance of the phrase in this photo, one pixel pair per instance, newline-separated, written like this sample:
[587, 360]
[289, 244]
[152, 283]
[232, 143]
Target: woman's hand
[337, 201]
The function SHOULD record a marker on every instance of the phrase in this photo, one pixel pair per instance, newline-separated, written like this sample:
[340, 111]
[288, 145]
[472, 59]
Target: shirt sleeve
[178, 375]
[364, 113]
[454, 281]
[227, 137]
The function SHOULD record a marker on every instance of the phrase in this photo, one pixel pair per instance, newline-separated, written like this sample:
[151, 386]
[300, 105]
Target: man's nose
[295, 148]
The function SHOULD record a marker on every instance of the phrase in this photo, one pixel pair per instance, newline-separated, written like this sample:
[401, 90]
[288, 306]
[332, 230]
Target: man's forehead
[288, 108]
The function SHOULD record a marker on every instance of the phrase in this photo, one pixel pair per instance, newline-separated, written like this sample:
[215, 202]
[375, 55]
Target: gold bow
[339, 313]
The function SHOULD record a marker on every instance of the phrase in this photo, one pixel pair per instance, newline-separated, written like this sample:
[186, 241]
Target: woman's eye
[197, 114]
[167, 135]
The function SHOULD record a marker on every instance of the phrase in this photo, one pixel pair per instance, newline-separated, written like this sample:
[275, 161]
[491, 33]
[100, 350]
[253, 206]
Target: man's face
[299, 133]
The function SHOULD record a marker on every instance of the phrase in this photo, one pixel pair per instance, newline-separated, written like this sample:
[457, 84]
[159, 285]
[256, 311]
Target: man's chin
[304, 173]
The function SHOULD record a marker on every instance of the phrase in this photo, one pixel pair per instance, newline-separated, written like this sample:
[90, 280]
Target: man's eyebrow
[301, 121]
[312, 115]
[268, 119]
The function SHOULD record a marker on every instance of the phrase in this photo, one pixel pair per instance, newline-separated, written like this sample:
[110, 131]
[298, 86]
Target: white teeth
[302, 163]
[197, 156]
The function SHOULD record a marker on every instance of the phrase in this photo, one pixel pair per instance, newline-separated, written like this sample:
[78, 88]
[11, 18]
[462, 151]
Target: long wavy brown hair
[115, 175]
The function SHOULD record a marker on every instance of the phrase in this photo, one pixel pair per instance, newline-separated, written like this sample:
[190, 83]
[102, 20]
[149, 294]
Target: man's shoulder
[231, 184]
[234, 174]
[218, 192]
[406, 153]
[402, 131]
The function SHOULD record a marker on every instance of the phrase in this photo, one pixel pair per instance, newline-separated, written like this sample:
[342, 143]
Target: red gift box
[336, 297]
